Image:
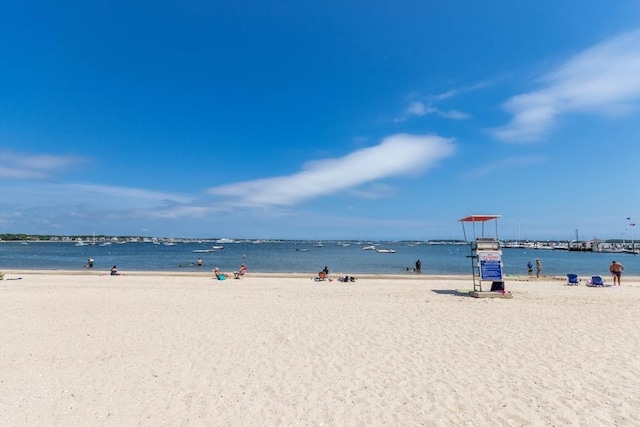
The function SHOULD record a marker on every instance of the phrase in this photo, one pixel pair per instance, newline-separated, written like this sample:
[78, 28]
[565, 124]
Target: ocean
[299, 257]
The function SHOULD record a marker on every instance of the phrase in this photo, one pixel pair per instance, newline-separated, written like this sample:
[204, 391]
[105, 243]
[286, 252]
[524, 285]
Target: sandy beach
[158, 349]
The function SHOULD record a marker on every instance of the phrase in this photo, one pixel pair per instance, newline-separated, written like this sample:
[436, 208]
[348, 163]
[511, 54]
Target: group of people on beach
[538, 268]
[417, 268]
[236, 274]
[616, 269]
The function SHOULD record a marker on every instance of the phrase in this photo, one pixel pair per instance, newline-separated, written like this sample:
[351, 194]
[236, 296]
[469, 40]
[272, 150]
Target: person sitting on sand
[219, 275]
[322, 276]
[114, 271]
[241, 272]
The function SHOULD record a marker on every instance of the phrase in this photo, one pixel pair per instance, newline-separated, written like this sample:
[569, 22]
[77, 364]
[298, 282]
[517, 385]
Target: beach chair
[572, 279]
[596, 281]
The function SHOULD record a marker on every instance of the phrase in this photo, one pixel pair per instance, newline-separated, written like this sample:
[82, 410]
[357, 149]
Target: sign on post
[490, 265]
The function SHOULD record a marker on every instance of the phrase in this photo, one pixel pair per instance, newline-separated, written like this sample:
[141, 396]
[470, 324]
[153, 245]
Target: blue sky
[320, 119]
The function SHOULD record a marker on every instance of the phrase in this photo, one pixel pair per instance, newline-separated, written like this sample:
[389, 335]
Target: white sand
[187, 350]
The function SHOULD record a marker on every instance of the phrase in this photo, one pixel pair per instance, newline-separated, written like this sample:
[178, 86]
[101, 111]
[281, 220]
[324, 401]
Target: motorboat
[385, 251]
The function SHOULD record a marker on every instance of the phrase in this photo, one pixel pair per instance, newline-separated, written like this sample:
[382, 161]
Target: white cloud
[42, 166]
[396, 155]
[124, 194]
[418, 108]
[604, 79]
[455, 92]
[96, 201]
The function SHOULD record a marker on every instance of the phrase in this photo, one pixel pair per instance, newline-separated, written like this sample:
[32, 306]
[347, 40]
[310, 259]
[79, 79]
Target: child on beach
[530, 269]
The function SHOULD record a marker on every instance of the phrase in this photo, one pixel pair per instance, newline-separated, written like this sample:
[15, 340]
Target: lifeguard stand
[486, 258]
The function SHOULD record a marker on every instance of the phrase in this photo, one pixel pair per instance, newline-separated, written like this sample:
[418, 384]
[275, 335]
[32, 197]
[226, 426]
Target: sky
[328, 120]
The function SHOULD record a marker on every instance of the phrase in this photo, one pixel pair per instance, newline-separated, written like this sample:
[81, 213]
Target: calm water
[288, 257]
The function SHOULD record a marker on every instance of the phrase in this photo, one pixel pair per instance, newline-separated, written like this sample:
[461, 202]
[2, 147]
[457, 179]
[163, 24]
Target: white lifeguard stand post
[486, 257]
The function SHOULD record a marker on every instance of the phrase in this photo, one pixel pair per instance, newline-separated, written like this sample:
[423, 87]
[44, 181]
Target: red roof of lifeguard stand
[479, 218]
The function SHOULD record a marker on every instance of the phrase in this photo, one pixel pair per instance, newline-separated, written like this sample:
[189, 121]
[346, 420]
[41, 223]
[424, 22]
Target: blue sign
[490, 270]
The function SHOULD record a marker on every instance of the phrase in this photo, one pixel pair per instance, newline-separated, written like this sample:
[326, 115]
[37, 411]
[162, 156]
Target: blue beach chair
[572, 279]
[596, 281]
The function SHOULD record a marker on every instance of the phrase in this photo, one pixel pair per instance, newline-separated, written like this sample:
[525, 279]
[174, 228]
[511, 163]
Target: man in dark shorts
[616, 270]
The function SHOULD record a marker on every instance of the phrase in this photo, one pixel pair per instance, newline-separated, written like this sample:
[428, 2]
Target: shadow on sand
[455, 292]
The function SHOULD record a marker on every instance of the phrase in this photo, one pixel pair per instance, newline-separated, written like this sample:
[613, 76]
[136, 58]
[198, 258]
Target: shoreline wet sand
[158, 348]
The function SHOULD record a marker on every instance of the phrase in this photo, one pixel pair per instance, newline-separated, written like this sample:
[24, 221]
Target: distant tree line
[23, 237]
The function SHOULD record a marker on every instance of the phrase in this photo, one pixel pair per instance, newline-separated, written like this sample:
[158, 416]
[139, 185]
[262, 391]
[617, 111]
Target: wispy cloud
[97, 201]
[15, 165]
[423, 105]
[459, 91]
[505, 164]
[603, 79]
[418, 108]
[396, 155]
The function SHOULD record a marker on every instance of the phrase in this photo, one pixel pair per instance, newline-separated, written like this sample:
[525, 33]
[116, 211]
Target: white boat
[202, 251]
[369, 248]
[217, 248]
[385, 251]
[224, 240]
[318, 245]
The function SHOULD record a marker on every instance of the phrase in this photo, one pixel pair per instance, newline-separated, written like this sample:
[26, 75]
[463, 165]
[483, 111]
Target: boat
[217, 248]
[202, 251]
[224, 240]
[385, 251]
[318, 245]
[369, 248]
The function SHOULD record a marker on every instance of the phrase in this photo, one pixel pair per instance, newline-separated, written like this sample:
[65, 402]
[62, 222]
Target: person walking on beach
[616, 270]
[538, 267]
